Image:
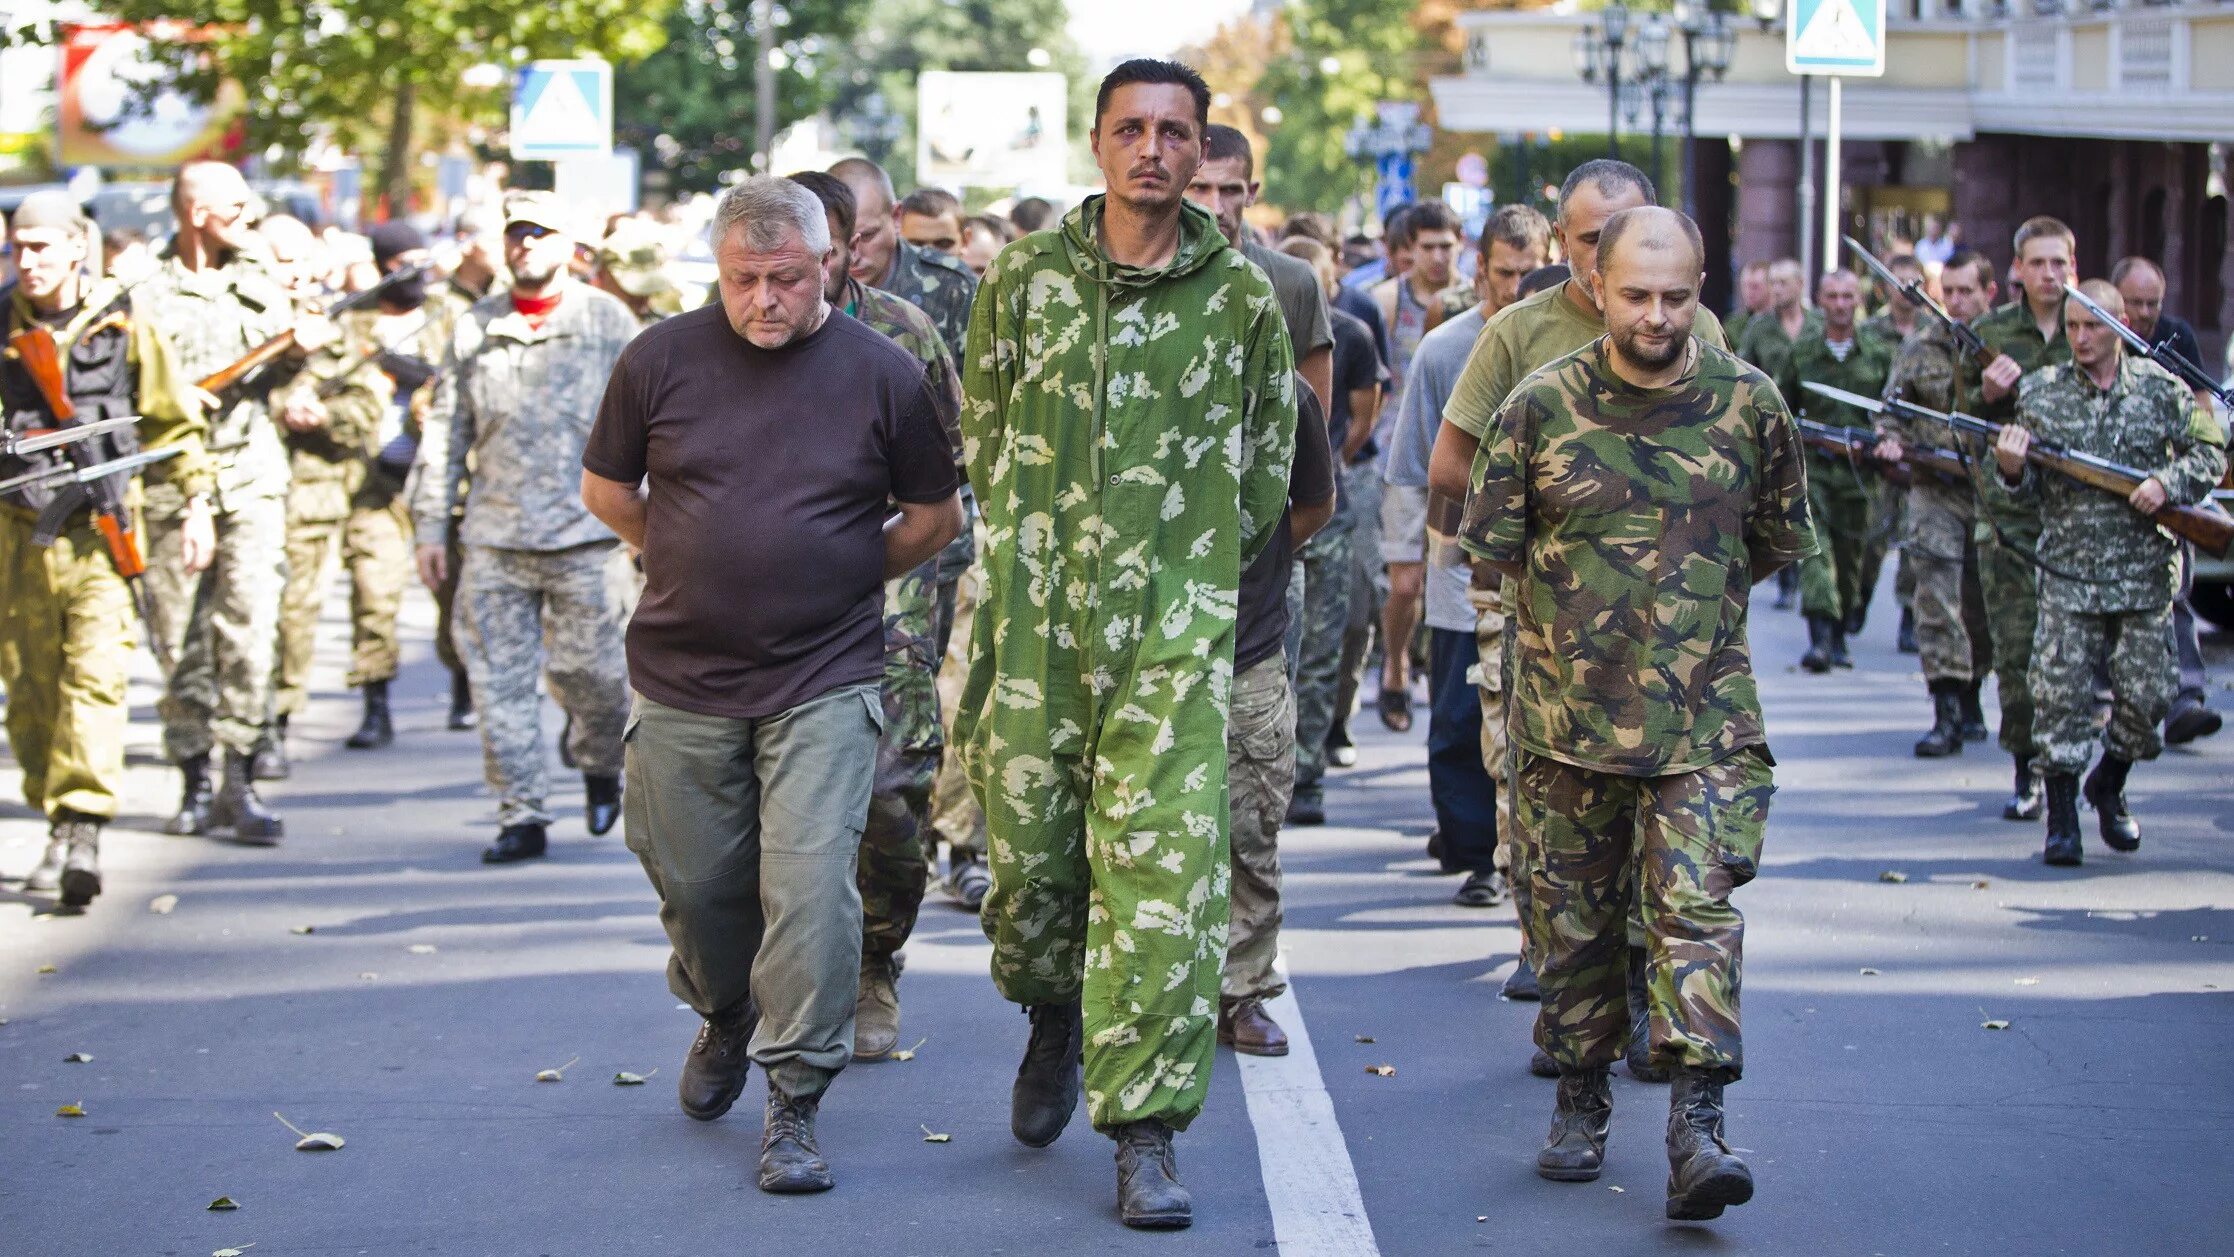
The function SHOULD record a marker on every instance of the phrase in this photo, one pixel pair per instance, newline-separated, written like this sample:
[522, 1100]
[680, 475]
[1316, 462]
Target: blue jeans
[1460, 789]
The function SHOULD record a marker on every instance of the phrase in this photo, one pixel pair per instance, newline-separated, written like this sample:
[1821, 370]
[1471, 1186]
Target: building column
[1767, 209]
[1986, 200]
[1711, 162]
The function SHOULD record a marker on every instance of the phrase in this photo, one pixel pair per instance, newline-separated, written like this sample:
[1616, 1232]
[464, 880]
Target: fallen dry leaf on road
[222, 1204]
[934, 1137]
[557, 1074]
[1365, 1038]
[423, 949]
[47, 969]
[2028, 982]
[232, 1252]
[78, 1058]
[908, 1054]
[161, 905]
[302, 929]
[1980, 884]
[71, 1110]
[1892, 875]
[1869, 973]
[312, 1141]
[368, 976]
[626, 1079]
[1385, 1071]
[1623, 1190]
[1995, 1024]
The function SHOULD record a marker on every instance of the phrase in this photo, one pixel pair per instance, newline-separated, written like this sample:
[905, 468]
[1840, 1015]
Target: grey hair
[770, 209]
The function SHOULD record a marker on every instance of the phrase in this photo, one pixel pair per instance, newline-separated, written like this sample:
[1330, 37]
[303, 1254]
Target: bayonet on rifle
[1914, 293]
[2163, 355]
[17, 444]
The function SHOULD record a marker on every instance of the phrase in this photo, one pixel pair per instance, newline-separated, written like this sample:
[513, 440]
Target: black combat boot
[194, 800]
[1946, 736]
[2190, 720]
[790, 1163]
[45, 877]
[1150, 1196]
[715, 1067]
[462, 716]
[1639, 1057]
[1818, 656]
[81, 859]
[238, 808]
[601, 801]
[1047, 1083]
[1839, 656]
[2024, 805]
[269, 760]
[2063, 821]
[1855, 620]
[1575, 1150]
[1520, 984]
[1974, 716]
[2105, 792]
[566, 742]
[376, 730]
[1704, 1176]
[1906, 642]
[524, 841]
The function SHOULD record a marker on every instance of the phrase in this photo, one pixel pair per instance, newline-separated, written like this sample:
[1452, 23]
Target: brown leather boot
[1244, 1026]
[714, 1070]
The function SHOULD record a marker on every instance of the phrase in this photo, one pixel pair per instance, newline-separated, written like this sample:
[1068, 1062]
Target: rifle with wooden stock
[229, 378]
[2164, 356]
[2210, 529]
[1860, 445]
[1913, 292]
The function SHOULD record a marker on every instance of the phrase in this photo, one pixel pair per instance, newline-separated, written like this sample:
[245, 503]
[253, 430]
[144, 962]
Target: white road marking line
[1309, 1182]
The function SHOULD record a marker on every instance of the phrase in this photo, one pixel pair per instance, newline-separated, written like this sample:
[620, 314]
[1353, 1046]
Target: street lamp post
[1652, 66]
[1598, 47]
[1709, 41]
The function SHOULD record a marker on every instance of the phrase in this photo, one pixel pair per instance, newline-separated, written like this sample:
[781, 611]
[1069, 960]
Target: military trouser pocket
[1740, 788]
[1264, 712]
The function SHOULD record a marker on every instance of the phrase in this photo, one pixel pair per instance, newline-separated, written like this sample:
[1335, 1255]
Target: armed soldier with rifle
[93, 396]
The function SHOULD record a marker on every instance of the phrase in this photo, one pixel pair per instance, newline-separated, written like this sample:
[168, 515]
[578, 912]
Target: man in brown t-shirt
[774, 433]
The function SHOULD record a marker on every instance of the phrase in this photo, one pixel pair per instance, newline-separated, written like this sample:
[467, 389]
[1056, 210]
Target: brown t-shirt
[771, 475]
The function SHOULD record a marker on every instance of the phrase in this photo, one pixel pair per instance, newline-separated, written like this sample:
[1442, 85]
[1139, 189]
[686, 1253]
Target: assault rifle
[1860, 445]
[2211, 529]
[228, 378]
[17, 444]
[2163, 355]
[1913, 292]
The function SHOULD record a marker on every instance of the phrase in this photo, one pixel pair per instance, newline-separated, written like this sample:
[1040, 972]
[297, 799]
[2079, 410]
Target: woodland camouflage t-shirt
[1636, 517]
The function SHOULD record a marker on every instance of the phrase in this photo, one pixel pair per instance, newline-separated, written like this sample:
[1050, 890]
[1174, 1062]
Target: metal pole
[1690, 131]
[1830, 181]
[1659, 126]
[1613, 101]
[764, 83]
[1806, 216]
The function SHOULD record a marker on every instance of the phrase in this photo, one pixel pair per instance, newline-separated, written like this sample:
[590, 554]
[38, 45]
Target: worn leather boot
[790, 1163]
[45, 877]
[2190, 720]
[1047, 1083]
[1520, 984]
[524, 841]
[1244, 1026]
[2105, 792]
[1639, 1056]
[2024, 805]
[1840, 658]
[876, 1012]
[238, 808]
[81, 861]
[462, 715]
[1818, 656]
[1541, 1065]
[2063, 821]
[1855, 621]
[269, 760]
[194, 800]
[1905, 641]
[566, 742]
[1974, 715]
[1946, 736]
[715, 1067]
[1704, 1176]
[601, 802]
[375, 730]
[1575, 1150]
[1150, 1196]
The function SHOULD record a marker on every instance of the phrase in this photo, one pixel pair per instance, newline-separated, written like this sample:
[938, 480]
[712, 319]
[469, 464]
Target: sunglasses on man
[517, 232]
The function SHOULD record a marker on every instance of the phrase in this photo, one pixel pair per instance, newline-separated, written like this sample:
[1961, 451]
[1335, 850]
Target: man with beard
[1630, 496]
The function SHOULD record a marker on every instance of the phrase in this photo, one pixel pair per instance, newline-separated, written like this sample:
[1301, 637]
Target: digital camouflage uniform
[1953, 641]
[1636, 521]
[2009, 532]
[1838, 579]
[1130, 433]
[2119, 614]
[543, 583]
[895, 861]
[222, 624]
[67, 623]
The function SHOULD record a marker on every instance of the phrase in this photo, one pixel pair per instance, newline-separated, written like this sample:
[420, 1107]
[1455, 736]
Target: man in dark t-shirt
[1260, 745]
[775, 435]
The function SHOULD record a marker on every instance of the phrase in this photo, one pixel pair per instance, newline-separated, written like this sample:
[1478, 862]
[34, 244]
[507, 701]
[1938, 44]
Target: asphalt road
[1878, 1113]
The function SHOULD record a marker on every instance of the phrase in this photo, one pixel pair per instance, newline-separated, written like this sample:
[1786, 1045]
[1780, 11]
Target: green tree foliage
[1347, 55]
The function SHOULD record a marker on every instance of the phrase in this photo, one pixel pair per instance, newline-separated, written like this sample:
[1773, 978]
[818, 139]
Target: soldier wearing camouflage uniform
[1770, 335]
[896, 846]
[2025, 335]
[1129, 417]
[543, 581]
[1631, 494]
[1837, 580]
[2108, 574]
[67, 621]
[216, 300]
[1955, 647]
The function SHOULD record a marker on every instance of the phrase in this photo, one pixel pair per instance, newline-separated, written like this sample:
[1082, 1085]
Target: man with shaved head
[2107, 573]
[933, 282]
[1630, 495]
[217, 297]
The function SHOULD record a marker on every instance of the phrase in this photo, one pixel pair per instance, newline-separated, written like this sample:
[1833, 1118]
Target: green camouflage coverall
[1838, 579]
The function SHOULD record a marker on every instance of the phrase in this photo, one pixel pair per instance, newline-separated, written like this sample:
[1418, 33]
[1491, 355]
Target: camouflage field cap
[636, 256]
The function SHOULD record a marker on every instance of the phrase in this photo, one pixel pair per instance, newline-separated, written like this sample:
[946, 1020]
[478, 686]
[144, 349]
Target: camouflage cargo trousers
[1327, 589]
[375, 546]
[1952, 638]
[1361, 484]
[222, 624]
[67, 631]
[2070, 651]
[556, 613]
[1260, 777]
[896, 841]
[1488, 676]
[2010, 587]
[1681, 844]
[1888, 512]
[1844, 510]
[954, 810]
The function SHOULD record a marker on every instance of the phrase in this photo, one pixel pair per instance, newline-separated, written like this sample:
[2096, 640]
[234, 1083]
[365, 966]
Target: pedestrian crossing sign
[1835, 37]
[562, 109]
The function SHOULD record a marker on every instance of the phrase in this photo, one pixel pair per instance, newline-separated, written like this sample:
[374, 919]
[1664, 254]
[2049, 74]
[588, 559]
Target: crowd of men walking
[1108, 514]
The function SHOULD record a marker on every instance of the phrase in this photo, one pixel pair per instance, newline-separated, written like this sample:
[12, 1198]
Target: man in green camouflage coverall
[895, 852]
[1630, 495]
[2025, 335]
[2108, 574]
[1837, 580]
[1129, 417]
